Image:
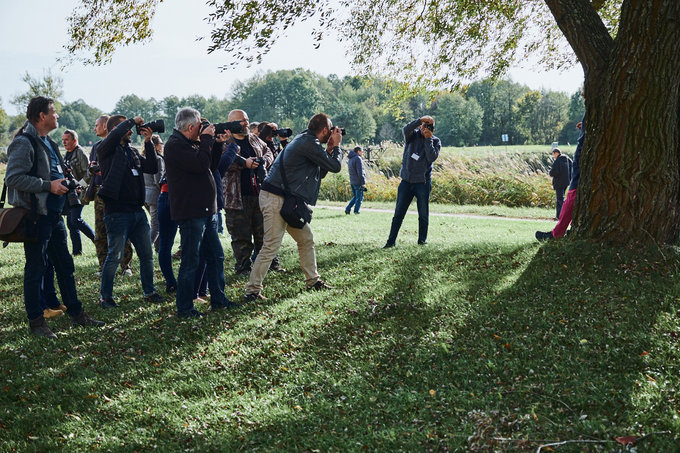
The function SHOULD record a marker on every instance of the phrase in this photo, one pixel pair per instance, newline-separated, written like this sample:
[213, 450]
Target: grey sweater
[20, 185]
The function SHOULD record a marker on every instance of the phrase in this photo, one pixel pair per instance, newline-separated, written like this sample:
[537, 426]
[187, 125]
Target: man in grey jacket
[43, 189]
[421, 149]
[306, 163]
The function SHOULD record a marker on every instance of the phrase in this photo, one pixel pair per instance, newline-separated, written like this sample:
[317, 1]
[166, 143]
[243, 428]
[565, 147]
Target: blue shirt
[54, 202]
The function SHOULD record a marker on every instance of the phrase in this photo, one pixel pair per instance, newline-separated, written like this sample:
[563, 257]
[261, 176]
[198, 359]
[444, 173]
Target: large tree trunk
[630, 165]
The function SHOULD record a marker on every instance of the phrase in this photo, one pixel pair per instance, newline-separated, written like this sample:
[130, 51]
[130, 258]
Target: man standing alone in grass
[561, 175]
[421, 149]
[357, 179]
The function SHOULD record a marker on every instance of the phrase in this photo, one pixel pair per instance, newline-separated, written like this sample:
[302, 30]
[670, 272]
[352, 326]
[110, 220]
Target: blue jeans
[167, 230]
[76, 224]
[51, 243]
[405, 194]
[199, 237]
[559, 201]
[48, 293]
[121, 226]
[357, 198]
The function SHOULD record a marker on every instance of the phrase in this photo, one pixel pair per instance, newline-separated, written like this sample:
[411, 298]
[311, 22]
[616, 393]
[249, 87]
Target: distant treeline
[371, 110]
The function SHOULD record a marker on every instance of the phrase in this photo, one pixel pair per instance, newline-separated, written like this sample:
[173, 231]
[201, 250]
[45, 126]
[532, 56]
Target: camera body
[283, 133]
[342, 129]
[260, 171]
[157, 126]
[70, 183]
[429, 126]
[94, 167]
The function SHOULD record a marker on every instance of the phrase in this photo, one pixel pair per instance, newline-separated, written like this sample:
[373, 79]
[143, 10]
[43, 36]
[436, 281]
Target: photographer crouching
[305, 162]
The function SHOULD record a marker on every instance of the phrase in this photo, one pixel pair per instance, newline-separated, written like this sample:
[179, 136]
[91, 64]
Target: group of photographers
[203, 168]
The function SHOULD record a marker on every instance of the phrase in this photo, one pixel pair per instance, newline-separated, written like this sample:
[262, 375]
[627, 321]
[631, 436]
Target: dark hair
[318, 122]
[556, 150]
[114, 121]
[36, 106]
[72, 133]
[358, 148]
[156, 139]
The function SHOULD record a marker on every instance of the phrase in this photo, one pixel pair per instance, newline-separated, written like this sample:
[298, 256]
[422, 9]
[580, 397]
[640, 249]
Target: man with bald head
[241, 190]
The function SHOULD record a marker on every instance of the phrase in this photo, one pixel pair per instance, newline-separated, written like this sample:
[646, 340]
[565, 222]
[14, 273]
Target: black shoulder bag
[294, 211]
[20, 224]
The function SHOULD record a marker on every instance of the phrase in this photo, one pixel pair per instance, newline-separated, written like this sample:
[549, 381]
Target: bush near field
[514, 176]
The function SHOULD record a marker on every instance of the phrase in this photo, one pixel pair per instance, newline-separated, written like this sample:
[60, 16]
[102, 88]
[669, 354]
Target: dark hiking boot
[39, 327]
[544, 235]
[82, 319]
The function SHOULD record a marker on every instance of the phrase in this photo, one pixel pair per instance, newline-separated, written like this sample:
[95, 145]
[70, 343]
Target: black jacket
[561, 172]
[122, 167]
[188, 169]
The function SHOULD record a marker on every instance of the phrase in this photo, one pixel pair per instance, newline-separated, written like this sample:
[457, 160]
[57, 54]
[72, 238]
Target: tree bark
[630, 168]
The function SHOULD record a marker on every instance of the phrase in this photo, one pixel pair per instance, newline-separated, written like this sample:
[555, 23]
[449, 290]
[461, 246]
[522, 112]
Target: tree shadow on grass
[418, 348]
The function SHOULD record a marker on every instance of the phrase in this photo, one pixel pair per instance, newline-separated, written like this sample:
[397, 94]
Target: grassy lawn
[485, 340]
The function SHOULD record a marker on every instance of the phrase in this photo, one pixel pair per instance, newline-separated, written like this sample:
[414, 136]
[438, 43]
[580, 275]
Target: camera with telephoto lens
[94, 167]
[283, 133]
[235, 127]
[70, 183]
[155, 126]
[342, 129]
[429, 126]
[260, 171]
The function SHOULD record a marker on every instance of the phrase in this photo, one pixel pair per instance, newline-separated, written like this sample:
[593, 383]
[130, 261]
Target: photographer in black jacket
[123, 194]
[561, 174]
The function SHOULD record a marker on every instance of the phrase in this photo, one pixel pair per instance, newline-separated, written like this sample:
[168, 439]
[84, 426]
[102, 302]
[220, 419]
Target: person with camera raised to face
[306, 163]
[34, 177]
[241, 186]
[421, 149]
[270, 130]
[122, 190]
[192, 152]
[76, 159]
[101, 245]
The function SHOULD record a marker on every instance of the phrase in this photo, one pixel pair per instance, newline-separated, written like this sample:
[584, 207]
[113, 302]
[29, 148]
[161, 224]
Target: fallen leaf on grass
[626, 440]
[649, 378]
[643, 353]
[92, 396]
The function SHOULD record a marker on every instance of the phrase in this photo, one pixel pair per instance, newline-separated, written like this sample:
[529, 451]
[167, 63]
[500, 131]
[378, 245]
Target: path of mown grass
[483, 335]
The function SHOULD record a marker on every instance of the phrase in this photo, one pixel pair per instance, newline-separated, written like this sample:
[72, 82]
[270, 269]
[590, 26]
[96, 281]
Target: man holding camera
[101, 245]
[77, 161]
[192, 153]
[34, 180]
[306, 163]
[123, 194]
[421, 149]
[241, 189]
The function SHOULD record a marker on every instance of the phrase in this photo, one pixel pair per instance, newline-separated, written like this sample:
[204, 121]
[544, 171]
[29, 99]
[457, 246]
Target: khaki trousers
[274, 227]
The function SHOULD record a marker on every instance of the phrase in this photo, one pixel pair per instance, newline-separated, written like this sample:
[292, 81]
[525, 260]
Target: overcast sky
[33, 33]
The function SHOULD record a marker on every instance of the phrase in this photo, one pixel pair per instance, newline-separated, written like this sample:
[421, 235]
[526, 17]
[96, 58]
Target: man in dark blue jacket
[561, 175]
[357, 179]
[421, 149]
[123, 193]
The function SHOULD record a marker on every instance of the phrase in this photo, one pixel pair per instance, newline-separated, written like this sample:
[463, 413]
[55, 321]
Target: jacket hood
[352, 154]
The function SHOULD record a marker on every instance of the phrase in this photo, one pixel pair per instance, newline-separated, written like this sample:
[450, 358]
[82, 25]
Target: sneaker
[193, 313]
[82, 319]
[127, 272]
[254, 297]
[39, 327]
[319, 285]
[51, 313]
[108, 302]
[544, 235]
[219, 306]
[422, 243]
[346, 212]
[388, 245]
[357, 213]
[154, 298]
